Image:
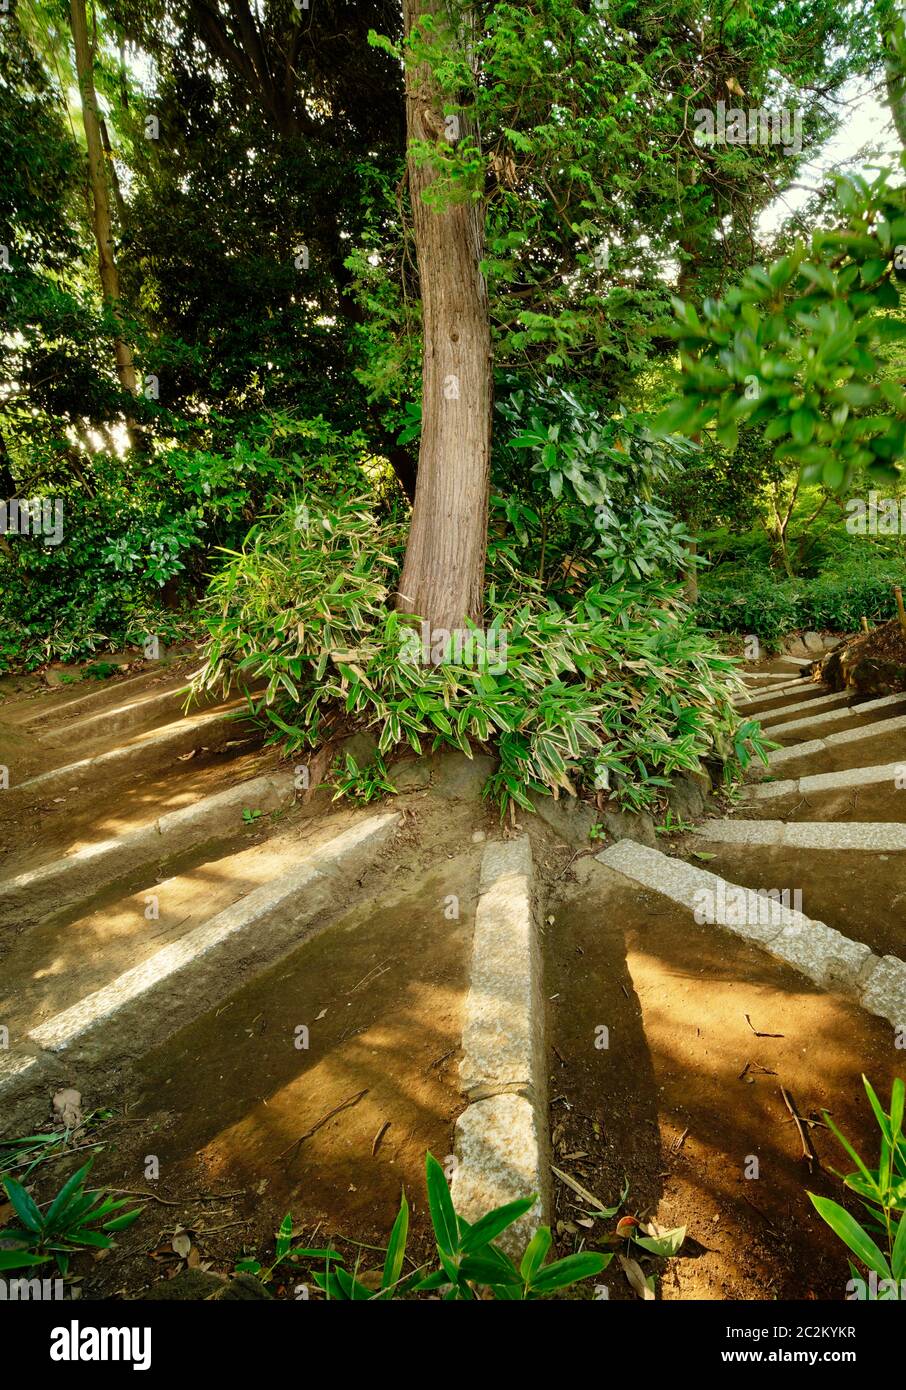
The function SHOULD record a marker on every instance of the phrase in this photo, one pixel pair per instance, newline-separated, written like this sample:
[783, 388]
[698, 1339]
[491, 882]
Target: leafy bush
[101, 586]
[578, 488]
[77, 1218]
[799, 346]
[882, 1191]
[837, 601]
[133, 528]
[615, 690]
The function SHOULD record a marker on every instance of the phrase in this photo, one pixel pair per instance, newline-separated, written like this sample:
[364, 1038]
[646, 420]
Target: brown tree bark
[443, 573]
[100, 204]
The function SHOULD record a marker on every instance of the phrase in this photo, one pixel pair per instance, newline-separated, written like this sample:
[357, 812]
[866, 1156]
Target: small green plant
[673, 825]
[883, 1194]
[26, 1153]
[284, 1253]
[365, 784]
[250, 816]
[76, 1218]
[100, 670]
[654, 1239]
[468, 1259]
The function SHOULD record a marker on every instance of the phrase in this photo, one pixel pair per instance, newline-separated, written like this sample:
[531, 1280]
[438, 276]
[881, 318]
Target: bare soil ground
[246, 1126]
[687, 1093]
[227, 1104]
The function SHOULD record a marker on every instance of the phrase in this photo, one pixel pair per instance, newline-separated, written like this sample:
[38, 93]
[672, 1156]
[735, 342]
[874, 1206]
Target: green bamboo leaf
[480, 1269]
[396, 1249]
[21, 1259]
[897, 1101]
[440, 1203]
[851, 1233]
[879, 1112]
[284, 1236]
[665, 1245]
[120, 1223]
[489, 1227]
[898, 1253]
[569, 1271]
[66, 1194]
[535, 1253]
[24, 1207]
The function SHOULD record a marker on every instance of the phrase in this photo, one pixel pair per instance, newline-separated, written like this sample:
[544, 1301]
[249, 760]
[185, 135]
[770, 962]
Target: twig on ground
[761, 1035]
[344, 1105]
[808, 1152]
[183, 1202]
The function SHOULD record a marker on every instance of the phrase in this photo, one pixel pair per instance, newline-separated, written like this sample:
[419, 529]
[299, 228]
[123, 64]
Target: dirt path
[667, 1041]
[684, 1103]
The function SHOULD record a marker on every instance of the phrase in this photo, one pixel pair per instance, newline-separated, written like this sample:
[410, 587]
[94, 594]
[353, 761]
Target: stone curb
[145, 1005]
[500, 1139]
[79, 874]
[820, 745]
[765, 678]
[842, 835]
[782, 692]
[820, 702]
[816, 950]
[835, 715]
[825, 782]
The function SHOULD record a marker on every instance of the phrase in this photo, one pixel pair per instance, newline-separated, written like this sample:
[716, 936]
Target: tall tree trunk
[443, 573]
[100, 205]
[117, 191]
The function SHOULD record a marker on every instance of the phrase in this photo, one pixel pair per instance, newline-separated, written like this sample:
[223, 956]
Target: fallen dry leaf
[181, 1244]
[637, 1281]
[67, 1108]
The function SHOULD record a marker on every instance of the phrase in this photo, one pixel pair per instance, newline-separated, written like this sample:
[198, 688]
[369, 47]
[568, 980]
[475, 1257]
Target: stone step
[72, 878]
[145, 1004]
[826, 781]
[781, 692]
[158, 706]
[765, 677]
[817, 951]
[882, 728]
[88, 697]
[145, 712]
[211, 730]
[819, 702]
[842, 835]
[849, 711]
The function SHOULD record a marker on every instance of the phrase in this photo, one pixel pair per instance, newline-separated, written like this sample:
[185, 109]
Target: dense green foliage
[615, 689]
[771, 608]
[798, 348]
[263, 235]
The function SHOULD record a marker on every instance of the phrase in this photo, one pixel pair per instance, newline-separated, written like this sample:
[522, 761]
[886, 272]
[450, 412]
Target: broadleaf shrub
[835, 601]
[615, 691]
[139, 536]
